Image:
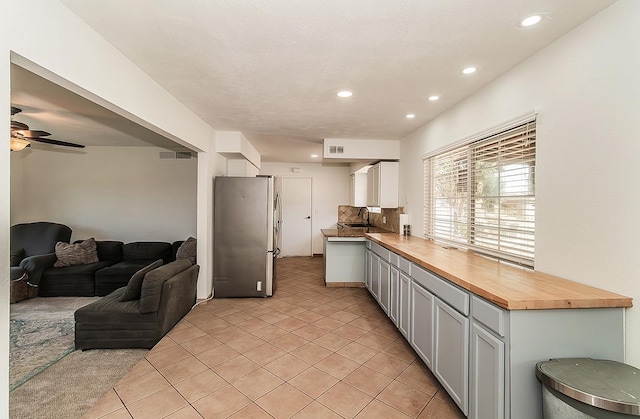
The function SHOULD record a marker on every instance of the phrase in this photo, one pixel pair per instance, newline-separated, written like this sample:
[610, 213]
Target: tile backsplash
[348, 214]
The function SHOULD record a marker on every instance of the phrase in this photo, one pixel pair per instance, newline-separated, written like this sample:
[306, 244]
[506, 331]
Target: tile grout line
[354, 306]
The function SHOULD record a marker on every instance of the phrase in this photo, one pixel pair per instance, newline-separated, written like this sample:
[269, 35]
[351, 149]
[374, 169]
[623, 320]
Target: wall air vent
[176, 155]
[336, 149]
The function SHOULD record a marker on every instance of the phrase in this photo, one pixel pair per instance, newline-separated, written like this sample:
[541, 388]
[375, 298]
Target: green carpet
[41, 332]
[48, 377]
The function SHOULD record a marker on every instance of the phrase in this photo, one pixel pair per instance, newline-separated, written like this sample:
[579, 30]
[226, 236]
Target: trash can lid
[608, 385]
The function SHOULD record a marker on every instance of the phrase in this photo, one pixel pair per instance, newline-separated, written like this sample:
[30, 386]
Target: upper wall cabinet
[358, 195]
[382, 185]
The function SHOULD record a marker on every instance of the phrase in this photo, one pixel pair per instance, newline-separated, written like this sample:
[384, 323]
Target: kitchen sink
[354, 225]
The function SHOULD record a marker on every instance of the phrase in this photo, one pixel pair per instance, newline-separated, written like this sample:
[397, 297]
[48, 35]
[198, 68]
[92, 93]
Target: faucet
[364, 209]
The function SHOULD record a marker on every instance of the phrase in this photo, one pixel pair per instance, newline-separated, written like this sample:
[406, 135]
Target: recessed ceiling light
[469, 70]
[530, 21]
[314, 156]
[345, 93]
[434, 98]
[410, 115]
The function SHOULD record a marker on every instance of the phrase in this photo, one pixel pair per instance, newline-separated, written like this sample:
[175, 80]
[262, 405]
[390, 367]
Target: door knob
[307, 217]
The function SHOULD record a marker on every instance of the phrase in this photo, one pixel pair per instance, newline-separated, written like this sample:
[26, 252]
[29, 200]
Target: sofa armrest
[178, 297]
[36, 265]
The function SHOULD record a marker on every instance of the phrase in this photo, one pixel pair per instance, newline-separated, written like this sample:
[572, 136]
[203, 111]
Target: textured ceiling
[271, 68]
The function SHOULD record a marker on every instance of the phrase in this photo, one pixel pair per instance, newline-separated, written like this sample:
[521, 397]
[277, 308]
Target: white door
[296, 217]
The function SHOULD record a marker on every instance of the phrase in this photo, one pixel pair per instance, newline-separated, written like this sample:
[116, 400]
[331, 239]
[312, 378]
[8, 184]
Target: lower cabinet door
[421, 335]
[404, 304]
[487, 374]
[375, 276]
[451, 352]
[394, 300]
[384, 285]
[367, 269]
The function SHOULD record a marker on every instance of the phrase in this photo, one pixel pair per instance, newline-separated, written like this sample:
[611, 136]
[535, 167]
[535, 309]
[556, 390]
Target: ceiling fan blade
[55, 142]
[35, 133]
[19, 126]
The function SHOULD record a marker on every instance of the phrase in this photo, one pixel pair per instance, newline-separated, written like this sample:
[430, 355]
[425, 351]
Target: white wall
[587, 93]
[330, 186]
[94, 69]
[110, 193]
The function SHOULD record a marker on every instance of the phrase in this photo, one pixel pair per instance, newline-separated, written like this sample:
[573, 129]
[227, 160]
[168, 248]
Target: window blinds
[481, 195]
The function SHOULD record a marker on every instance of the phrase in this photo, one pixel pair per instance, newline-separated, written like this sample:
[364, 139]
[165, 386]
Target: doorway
[296, 216]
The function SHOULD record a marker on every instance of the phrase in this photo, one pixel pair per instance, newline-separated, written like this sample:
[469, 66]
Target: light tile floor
[307, 352]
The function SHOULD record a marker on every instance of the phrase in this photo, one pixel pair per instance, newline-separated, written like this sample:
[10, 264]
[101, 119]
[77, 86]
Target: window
[481, 195]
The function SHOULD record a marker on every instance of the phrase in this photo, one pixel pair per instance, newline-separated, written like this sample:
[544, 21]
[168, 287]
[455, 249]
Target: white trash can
[581, 388]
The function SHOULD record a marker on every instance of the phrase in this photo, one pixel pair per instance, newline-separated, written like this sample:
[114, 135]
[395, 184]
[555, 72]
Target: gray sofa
[117, 261]
[32, 247]
[167, 293]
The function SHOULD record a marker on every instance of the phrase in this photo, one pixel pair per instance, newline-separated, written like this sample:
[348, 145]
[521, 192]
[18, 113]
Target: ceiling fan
[21, 135]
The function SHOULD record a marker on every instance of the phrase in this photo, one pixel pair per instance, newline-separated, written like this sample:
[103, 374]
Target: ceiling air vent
[176, 155]
[336, 149]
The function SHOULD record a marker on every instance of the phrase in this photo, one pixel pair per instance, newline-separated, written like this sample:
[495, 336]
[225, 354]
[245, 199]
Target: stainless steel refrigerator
[246, 225]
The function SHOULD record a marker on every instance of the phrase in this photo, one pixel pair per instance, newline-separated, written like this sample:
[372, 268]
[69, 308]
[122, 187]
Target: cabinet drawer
[380, 251]
[491, 316]
[452, 295]
[405, 266]
[394, 259]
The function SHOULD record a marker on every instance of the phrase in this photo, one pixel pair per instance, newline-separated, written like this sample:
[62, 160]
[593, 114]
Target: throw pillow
[135, 283]
[16, 257]
[153, 282]
[76, 254]
[187, 250]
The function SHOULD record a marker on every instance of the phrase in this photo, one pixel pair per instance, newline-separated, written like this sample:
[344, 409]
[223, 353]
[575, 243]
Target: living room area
[107, 296]
[126, 192]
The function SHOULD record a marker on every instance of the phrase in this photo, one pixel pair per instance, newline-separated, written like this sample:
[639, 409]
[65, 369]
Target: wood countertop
[509, 287]
[351, 232]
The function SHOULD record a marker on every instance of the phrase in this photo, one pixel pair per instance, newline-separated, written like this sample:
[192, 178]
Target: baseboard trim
[344, 284]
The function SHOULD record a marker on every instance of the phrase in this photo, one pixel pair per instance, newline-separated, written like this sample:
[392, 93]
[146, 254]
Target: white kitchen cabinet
[394, 298]
[451, 352]
[368, 268]
[483, 355]
[382, 185]
[344, 261]
[489, 331]
[375, 276]
[421, 324]
[385, 272]
[404, 304]
[358, 191]
[373, 191]
[487, 374]
[380, 274]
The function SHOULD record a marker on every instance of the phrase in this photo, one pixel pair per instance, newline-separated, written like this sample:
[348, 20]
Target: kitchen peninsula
[343, 251]
[481, 325]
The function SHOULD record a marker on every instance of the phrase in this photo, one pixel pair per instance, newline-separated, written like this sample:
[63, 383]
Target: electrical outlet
[259, 286]
[384, 219]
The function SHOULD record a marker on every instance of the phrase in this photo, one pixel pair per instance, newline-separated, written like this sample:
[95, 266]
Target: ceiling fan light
[18, 144]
